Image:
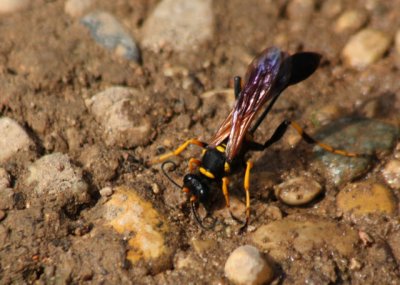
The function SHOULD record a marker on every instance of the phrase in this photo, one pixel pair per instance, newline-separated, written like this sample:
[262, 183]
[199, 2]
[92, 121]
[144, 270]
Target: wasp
[268, 75]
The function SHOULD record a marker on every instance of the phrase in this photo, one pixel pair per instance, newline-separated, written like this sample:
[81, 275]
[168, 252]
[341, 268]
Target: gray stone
[124, 115]
[179, 24]
[357, 135]
[109, 33]
[53, 176]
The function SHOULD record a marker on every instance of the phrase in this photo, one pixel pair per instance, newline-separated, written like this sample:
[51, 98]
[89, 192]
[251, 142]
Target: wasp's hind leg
[282, 128]
[177, 151]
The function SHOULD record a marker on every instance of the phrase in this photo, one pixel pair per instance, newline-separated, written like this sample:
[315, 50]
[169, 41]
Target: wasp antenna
[166, 175]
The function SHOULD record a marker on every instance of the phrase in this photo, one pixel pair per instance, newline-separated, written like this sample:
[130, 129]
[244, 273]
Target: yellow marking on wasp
[220, 148]
[203, 152]
[227, 167]
[225, 183]
[207, 173]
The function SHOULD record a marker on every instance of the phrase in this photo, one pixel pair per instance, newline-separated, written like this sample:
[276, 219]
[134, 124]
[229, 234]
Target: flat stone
[76, 8]
[245, 265]
[124, 123]
[298, 190]
[13, 139]
[303, 234]
[53, 176]
[179, 25]
[350, 21]
[363, 198]
[359, 135]
[365, 47]
[136, 218]
[11, 6]
[109, 33]
[391, 173]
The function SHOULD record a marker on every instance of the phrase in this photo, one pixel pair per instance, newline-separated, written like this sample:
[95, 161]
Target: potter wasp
[267, 76]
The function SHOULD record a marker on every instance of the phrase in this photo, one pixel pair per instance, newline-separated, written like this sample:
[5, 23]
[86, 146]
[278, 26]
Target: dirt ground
[49, 66]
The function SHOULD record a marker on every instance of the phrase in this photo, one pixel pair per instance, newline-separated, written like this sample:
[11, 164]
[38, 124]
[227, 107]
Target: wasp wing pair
[267, 76]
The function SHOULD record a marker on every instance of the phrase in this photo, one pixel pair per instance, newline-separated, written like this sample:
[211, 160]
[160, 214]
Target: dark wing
[266, 77]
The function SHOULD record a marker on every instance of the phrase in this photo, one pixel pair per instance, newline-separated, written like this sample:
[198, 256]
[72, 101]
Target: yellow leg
[225, 183]
[326, 147]
[177, 151]
[249, 165]
[192, 163]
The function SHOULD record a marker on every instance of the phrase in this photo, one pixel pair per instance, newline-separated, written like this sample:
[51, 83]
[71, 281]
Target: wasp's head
[196, 186]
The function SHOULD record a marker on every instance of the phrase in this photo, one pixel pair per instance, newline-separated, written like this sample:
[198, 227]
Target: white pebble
[365, 48]
[179, 24]
[106, 191]
[10, 6]
[13, 139]
[245, 265]
[76, 8]
[298, 191]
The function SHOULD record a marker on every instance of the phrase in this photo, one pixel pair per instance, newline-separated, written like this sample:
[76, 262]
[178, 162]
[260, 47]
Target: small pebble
[10, 6]
[108, 32]
[245, 265]
[397, 41]
[136, 218]
[179, 24]
[363, 198]
[2, 215]
[4, 179]
[76, 8]
[298, 191]
[304, 234]
[350, 21]
[53, 176]
[13, 139]
[331, 8]
[124, 124]
[106, 192]
[359, 135]
[391, 173]
[365, 47]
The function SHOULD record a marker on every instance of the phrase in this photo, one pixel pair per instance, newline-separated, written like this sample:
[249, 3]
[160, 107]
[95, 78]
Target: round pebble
[363, 198]
[136, 218]
[13, 139]
[108, 32]
[10, 6]
[106, 192]
[365, 48]
[76, 8]
[245, 265]
[298, 191]
[359, 135]
[350, 21]
[303, 234]
[124, 124]
[391, 173]
[179, 24]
